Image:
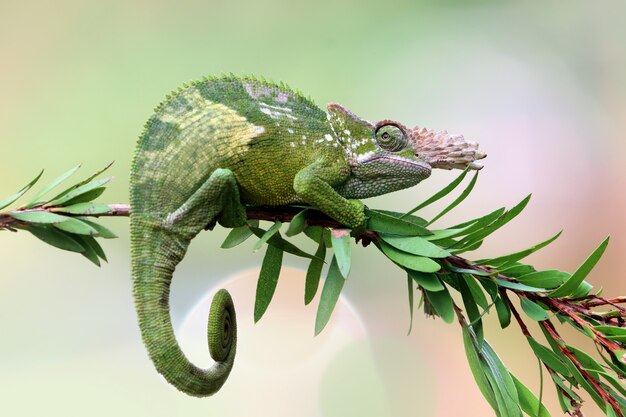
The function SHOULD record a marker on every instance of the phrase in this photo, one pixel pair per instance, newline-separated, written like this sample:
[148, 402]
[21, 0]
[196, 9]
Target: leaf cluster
[62, 220]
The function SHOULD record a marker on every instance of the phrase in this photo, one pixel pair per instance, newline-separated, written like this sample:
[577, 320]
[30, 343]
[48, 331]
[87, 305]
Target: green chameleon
[221, 144]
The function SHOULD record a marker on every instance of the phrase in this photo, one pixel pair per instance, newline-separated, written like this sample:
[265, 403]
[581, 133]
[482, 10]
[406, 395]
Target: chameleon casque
[220, 144]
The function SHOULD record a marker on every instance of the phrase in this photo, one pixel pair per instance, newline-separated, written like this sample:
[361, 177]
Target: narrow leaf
[89, 252]
[504, 312]
[415, 245]
[76, 226]
[297, 224]
[514, 257]
[529, 403]
[236, 236]
[50, 186]
[268, 279]
[533, 310]
[279, 242]
[544, 279]
[477, 368]
[428, 281]
[55, 237]
[94, 245]
[84, 182]
[84, 209]
[78, 191]
[517, 286]
[384, 223]
[409, 282]
[38, 216]
[458, 201]
[442, 193]
[11, 199]
[267, 235]
[581, 273]
[330, 294]
[407, 260]
[314, 272]
[86, 196]
[491, 228]
[342, 248]
[547, 356]
[102, 231]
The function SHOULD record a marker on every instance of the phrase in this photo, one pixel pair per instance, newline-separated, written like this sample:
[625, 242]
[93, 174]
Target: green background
[540, 84]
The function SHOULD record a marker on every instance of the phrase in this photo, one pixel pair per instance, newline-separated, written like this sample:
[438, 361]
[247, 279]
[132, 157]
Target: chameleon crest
[221, 144]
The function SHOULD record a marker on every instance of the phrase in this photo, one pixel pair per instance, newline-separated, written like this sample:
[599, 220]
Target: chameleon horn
[445, 150]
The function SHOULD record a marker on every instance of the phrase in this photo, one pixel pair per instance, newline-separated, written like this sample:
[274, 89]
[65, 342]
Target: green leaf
[314, 233]
[89, 253]
[76, 226]
[544, 279]
[236, 236]
[502, 382]
[517, 270]
[84, 182]
[491, 228]
[55, 237]
[35, 200]
[477, 292]
[342, 248]
[84, 209]
[471, 308]
[504, 312]
[409, 218]
[102, 231]
[477, 224]
[85, 197]
[415, 245]
[71, 197]
[330, 294]
[11, 199]
[94, 245]
[428, 281]
[442, 303]
[409, 282]
[38, 217]
[478, 368]
[533, 310]
[267, 235]
[547, 356]
[314, 272]
[529, 403]
[517, 286]
[268, 279]
[297, 224]
[570, 286]
[514, 257]
[611, 330]
[458, 201]
[279, 242]
[384, 223]
[444, 192]
[407, 260]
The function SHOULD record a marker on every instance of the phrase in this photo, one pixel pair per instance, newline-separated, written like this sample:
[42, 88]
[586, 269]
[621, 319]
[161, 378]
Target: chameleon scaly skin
[219, 144]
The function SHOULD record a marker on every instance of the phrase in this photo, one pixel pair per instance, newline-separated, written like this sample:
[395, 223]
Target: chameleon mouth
[373, 157]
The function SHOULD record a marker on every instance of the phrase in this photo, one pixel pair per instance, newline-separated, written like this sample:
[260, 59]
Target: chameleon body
[219, 144]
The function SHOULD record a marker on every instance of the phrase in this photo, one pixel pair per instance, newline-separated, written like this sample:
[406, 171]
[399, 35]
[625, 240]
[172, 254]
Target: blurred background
[540, 84]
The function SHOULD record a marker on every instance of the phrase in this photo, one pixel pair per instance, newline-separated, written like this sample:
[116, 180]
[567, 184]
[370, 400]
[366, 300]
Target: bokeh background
[540, 84]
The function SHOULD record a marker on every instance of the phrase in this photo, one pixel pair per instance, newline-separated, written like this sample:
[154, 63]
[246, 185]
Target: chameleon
[220, 144]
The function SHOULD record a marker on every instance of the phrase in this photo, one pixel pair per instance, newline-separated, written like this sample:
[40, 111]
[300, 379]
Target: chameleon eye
[390, 138]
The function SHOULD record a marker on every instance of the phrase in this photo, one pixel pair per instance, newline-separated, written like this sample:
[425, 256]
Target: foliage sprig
[432, 261]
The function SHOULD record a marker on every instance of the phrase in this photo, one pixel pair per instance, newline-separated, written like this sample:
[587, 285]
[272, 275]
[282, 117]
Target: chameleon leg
[313, 185]
[158, 248]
